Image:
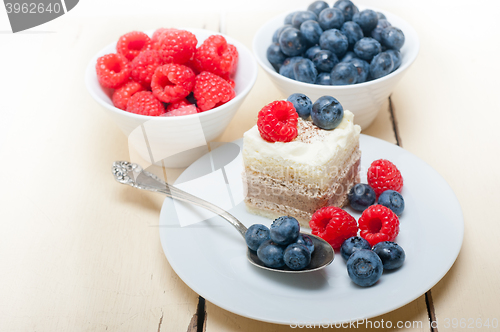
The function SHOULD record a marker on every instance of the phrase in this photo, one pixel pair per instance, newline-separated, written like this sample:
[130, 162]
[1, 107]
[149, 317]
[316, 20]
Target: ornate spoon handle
[133, 175]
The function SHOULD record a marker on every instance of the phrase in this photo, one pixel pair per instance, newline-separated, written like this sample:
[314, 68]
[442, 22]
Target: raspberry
[131, 44]
[176, 46]
[145, 103]
[180, 104]
[211, 91]
[112, 70]
[277, 121]
[144, 66]
[156, 35]
[172, 82]
[377, 224]
[216, 56]
[122, 94]
[185, 110]
[383, 175]
[333, 225]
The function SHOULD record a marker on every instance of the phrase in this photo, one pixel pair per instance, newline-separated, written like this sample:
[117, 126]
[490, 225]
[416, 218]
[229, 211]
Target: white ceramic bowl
[363, 99]
[177, 141]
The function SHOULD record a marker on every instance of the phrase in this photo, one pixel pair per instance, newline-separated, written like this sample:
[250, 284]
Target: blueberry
[392, 38]
[307, 241]
[317, 6]
[377, 32]
[285, 230]
[277, 33]
[323, 79]
[271, 254]
[287, 67]
[325, 61]
[381, 65]
[289, 17]
[352, 31]
[391, 254]
[302, 104]
[311, 52]
[256, 235]
[347, 8]
[353, 244]
[292, 42]
[330, 18]
[364, 267]
[327, 113]
[393, 200]
[367, 19]
[366, 48]
[275, 56]
[363, 69]
[396, 58]
[334, 41]
[381, 16]
[305, 71]
[348, 56]
[302, 16]
[344, 73]
[361, 196]
[297, 256]
[311, 31]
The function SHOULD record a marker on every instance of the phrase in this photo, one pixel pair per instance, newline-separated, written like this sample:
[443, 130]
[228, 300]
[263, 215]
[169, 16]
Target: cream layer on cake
[296, 178]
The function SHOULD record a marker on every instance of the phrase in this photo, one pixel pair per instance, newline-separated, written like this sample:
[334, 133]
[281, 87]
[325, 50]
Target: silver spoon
[133, 175]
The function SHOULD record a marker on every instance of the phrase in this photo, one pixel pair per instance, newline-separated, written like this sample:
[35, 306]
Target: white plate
[210, 256]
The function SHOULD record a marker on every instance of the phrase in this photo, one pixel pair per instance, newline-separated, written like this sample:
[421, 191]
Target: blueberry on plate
[366, 48]
[292, 42]
[325, 61]
[364, 267]
[353, 244]
[396, 58]
[285, 230]
[317, 6]
[361, 196]
[275, 56]
[377, 32]
[288, 18]
[392, 38]
[381, 65]
[297, 256]
[348, 56]
[363, 69]
[323, 79]
[352, 31]
[327, 113]
[302, 104]
[277, 33]
[305, 71]
[287, 67]
[307, 241]
[256, 235]
[391, 254]
[381, 16]
[331, 18]
[367, 19]
[392, 200]
[344, 73]
[311, 31]
[347, 7]
[271, 254]
[311, 52]
[334, 41]
[302, 16]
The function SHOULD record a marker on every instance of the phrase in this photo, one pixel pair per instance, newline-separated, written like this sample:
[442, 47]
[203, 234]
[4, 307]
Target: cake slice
[316, 169]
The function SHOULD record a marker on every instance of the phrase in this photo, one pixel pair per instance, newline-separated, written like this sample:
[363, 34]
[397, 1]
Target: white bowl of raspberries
[356, 55]
[171, 91]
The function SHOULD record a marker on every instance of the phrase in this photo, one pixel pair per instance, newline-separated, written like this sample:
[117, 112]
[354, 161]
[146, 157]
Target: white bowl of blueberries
[356, 55]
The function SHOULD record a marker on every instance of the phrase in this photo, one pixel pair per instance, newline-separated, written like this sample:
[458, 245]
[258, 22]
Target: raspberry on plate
[121, 95]
[333, 225]
[384, 175]
[144, 103]
[156, 35]
[180, 104]
[144, 66]
[211, 91]
[277, 121]
[185, 110]
[377, 224]
[131, 44]
[172, 82]
[113, 70]
[216, 56]
[176, 46]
